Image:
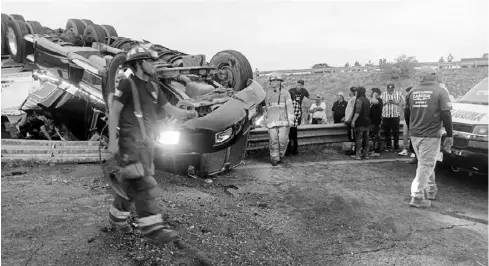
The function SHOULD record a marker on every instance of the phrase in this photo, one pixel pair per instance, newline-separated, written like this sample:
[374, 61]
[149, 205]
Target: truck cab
[470, 131]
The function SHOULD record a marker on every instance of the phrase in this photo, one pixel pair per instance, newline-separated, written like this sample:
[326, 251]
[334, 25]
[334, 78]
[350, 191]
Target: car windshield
[478, 94]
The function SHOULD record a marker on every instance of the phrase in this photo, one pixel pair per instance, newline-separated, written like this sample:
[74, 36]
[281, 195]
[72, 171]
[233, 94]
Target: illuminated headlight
[169, 137]
[223, 135]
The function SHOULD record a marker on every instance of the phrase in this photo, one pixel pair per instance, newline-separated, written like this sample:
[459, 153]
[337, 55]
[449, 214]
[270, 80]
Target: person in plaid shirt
[297, 94]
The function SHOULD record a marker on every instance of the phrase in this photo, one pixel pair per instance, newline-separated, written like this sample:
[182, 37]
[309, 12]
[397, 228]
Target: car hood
[472, 114]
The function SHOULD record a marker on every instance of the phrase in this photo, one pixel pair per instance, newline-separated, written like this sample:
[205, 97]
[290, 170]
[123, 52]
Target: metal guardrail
[88, 151]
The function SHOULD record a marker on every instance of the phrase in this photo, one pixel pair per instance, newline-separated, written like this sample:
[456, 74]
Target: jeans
[390, 125]
[361, 134]
[316, 121]
[426, 150]
[293, 143]
[279, 140]
[375, 137]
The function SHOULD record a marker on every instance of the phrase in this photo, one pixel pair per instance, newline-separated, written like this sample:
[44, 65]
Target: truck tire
[123, 43]
[94, 33]
[87, 22]
[16, 30]
[112, 70]
[17, 17]
[237, 67]
[5, 19]
[34, 27]
[76, 25]
[110, 32]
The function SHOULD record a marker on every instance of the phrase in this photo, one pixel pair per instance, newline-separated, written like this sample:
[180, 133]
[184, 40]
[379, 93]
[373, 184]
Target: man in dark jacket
[297, 94]
[361, 123]
[376, 105]
[339, 107]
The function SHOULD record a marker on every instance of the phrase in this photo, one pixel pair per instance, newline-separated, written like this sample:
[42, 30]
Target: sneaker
[162, 236]
[420, 203]
[375, 154]
[404, 152]
[123, 228]
[274, 163]
[388, 149]
[356, 157]
[413, 155]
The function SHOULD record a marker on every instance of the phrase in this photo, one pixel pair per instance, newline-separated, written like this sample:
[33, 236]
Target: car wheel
[76, 25]
[110, 32]
[16, 30]
[94, 33]
[236, 69]
[17, 17]
[34, 27]
[112, 73]
[5, 19]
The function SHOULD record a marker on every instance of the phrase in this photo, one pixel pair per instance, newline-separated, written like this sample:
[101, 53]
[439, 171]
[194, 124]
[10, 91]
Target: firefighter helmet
[275, 76]
[141, 53]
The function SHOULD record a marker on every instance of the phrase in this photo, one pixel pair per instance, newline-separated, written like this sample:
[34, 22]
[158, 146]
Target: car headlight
[223, 135]
[169, 137]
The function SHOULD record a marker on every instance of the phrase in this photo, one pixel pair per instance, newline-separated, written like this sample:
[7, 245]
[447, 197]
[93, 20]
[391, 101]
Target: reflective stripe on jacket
[279, 110]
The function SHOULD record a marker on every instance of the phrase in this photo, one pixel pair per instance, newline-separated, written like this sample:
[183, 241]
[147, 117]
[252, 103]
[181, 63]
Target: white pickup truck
[470, 131]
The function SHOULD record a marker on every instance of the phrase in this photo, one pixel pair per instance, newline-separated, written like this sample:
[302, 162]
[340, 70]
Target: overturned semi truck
[78, 68]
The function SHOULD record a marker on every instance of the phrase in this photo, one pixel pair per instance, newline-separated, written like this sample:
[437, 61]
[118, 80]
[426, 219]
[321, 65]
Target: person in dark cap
[297, 94]
[391, 113]
[376, 105]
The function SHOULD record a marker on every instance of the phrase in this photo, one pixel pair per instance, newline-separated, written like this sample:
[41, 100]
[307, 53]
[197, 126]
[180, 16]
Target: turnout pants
[390, 125]
[279, 140]
[426, 150]
[137, 170]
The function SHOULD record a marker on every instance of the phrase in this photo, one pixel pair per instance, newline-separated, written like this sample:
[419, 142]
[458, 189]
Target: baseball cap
[300, 81]
[340, 94]
[409, 89]
[390, 86]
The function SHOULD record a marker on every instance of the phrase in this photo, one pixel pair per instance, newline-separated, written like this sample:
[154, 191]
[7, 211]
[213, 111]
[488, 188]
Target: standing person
[427, 107]
[376, 105]
[414, 160]
[134, 148]
[318, 111]
[348, 117]
[297, 94]
[278, 118]
[361, 123]
[339, 107]
[391, 113]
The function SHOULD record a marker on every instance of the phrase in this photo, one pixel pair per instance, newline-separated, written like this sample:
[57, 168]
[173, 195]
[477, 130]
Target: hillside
[458, 82]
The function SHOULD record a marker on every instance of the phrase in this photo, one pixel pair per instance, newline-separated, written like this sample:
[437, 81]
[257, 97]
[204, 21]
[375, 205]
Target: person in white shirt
[318, 111]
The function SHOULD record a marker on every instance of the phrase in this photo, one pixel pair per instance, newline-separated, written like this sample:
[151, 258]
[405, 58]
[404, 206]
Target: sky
[277, 35]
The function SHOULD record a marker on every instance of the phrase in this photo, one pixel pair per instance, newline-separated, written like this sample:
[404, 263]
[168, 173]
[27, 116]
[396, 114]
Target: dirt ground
[317, 209]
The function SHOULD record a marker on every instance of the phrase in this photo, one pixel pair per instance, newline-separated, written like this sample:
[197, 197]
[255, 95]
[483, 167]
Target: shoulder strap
[157, 88]
[137, 108]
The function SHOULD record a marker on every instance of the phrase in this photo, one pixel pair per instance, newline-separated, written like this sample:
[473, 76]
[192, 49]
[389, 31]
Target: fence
[89, 151]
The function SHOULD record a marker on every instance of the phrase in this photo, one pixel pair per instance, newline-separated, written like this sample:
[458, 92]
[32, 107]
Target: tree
[357, 64]
[347, 64]
[406, 65]
[320, 66]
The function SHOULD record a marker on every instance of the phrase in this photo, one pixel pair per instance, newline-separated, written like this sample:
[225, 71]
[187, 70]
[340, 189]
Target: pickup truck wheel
[76, 25]
[17, 17]
[110, 32]
[112, 73]
[5, 19]
[34, 27]
[94, 33]
[16, 30]
[236, 67]
[87, 22]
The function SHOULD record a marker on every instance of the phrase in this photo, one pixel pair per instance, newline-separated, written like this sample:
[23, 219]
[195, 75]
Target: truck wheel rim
[230, 77]
[12, 41]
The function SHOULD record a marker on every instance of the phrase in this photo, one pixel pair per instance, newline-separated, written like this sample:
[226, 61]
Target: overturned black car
[77, 77]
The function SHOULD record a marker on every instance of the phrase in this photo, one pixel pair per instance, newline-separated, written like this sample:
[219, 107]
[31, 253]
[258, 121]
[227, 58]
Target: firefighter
[134, 148]
[278, 118]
